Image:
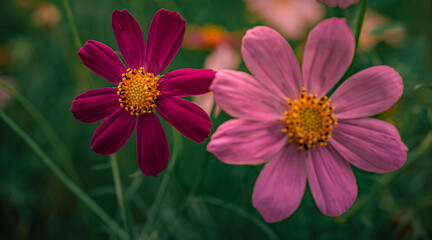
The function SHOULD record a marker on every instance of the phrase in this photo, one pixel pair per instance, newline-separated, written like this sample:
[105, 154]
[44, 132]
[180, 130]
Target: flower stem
[74, 30]
[120, 194]
[72, 25]
[73, 187]
[56, 143]
[360, 19]
[160, 195]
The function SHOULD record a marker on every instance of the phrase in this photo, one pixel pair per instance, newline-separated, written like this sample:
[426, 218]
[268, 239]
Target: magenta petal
[331, 180]
[271, 60]
[369, 144]
[103, 61]
[242, 96]
[130, 38]
[164, 39]
[328, 53]
[367, 93]
[113, 133]
[186, 82]
[95, 105]
[242, 141]
[188, 118]
[281, 184]
[152, 145]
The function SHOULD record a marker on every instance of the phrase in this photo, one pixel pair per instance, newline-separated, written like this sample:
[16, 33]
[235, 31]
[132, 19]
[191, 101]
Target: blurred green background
[205, 199]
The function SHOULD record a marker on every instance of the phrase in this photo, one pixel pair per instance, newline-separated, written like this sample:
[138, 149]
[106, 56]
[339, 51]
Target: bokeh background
[205, 199]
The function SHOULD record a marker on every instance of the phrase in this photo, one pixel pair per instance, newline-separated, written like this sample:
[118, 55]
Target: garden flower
[340, 3]
[284, 117]
[140, 91]
[291, 17]
[223, 57]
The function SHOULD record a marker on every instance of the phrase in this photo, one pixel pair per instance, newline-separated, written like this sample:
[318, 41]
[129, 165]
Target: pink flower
[340, 3]
[140, 91]
[291, 17]
[285, 118]
[223, 57]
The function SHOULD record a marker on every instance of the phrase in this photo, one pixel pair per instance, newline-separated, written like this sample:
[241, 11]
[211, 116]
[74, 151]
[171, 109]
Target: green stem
[55, 141]
[74, 188]
[72, 25]
[160, 196]
[385, 181]
[74, 30]
[120, 193]
[360, 19]
[239, 211]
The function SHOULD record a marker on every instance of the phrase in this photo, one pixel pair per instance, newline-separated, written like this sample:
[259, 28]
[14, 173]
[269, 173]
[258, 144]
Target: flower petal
[113, 133]
[331, 180]
[328, 53]
[186, 82]
[340, 3]
[280, 186]
[269, 57]
[242, 96]
[95, 105]
[241, 141]
[367, 93]
[369, 144]
[103, 61]
[205, 101]
[164, 39]
[188, 118]
[152, 145]
[130, 38]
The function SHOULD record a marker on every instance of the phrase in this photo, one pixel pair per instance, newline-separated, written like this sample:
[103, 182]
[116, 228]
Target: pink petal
[186, 82]
[331, 180]
[188, 118]
[367, 93]
[340, 3]
[242, 141]
[369, 144]
[164, 39]
[95, 105]
[113, 133]
[328, 53]
[129, 37]
[269, 57]
[281, 184]
[152, 145]
[103, 61]
[242, 96]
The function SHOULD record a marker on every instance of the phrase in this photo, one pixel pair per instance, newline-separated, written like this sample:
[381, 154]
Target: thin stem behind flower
[120, 194]
[160, 196]
[73, 187]
[360, 19]
[58, 146]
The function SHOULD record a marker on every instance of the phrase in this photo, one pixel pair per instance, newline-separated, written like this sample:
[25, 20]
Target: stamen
[138, 91]
[309, 121]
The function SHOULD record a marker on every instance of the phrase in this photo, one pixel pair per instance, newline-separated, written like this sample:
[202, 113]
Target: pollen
[309, 121]
[138, 91]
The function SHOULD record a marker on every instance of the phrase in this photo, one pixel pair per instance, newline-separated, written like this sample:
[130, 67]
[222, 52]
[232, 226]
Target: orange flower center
[309, 121]
[138, 91]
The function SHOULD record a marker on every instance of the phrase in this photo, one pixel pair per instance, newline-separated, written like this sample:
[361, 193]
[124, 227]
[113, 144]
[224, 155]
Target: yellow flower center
[138, 91]
[309, 121]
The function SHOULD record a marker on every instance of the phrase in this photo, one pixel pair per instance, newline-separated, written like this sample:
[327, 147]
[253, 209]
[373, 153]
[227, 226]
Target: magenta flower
[140, 91]
[285, 118]
[340, 3]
